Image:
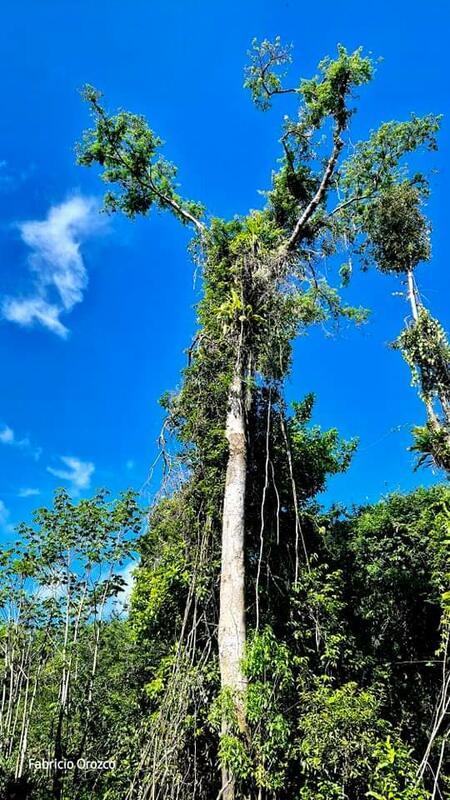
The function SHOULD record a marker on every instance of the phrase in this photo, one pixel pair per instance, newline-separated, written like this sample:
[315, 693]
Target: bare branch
[356, 199]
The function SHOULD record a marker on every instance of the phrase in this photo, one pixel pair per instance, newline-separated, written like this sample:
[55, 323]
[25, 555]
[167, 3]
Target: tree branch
[200, 227]
[350, 201]
[272, 92]
[319, 195]
[264, 68]
[169, 201]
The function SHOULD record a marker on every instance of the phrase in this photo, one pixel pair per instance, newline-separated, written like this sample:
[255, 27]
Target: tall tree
[262, 284]
[398, 240]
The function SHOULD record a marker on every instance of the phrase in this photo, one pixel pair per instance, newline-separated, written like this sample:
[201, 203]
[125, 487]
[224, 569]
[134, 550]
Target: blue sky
[79, 389]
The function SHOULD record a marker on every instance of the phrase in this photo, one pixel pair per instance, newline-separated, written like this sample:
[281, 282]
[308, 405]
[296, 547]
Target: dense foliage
[343, 675]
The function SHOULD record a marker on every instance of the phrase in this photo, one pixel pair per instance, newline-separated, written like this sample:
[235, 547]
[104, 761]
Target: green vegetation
[272, 650]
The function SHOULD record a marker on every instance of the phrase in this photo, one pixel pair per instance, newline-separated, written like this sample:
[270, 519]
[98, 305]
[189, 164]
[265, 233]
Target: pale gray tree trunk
[431, 413]
[232, 581]
[412, 296]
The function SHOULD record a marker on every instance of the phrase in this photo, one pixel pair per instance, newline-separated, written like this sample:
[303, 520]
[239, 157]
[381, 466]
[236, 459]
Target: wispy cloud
[78, 472]
[59, 272]
[11, 179]
[28, 310]
[5, 525]
[52, 590]
[128, 575]
[28, 491]
[4, 513]
[8, 437]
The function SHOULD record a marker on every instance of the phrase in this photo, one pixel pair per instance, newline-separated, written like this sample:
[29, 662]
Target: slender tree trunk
[90, 688]
[412, 296]
[232, 588]
[63, 690]
[433, 418]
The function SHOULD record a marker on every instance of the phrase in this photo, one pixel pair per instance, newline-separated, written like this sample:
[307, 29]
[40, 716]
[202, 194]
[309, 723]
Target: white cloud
[34, 309]
[36, 453]
[52, 590]
[78, 474]
[11, 179]
[59, 271]
[8, 436]
[4, 513]
[4, 518]
[28, 492]
[128, 576]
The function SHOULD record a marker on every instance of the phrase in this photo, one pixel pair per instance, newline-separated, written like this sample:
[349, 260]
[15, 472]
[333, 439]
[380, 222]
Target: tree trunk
[232, 589]
[412, 296]
[433, 419]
